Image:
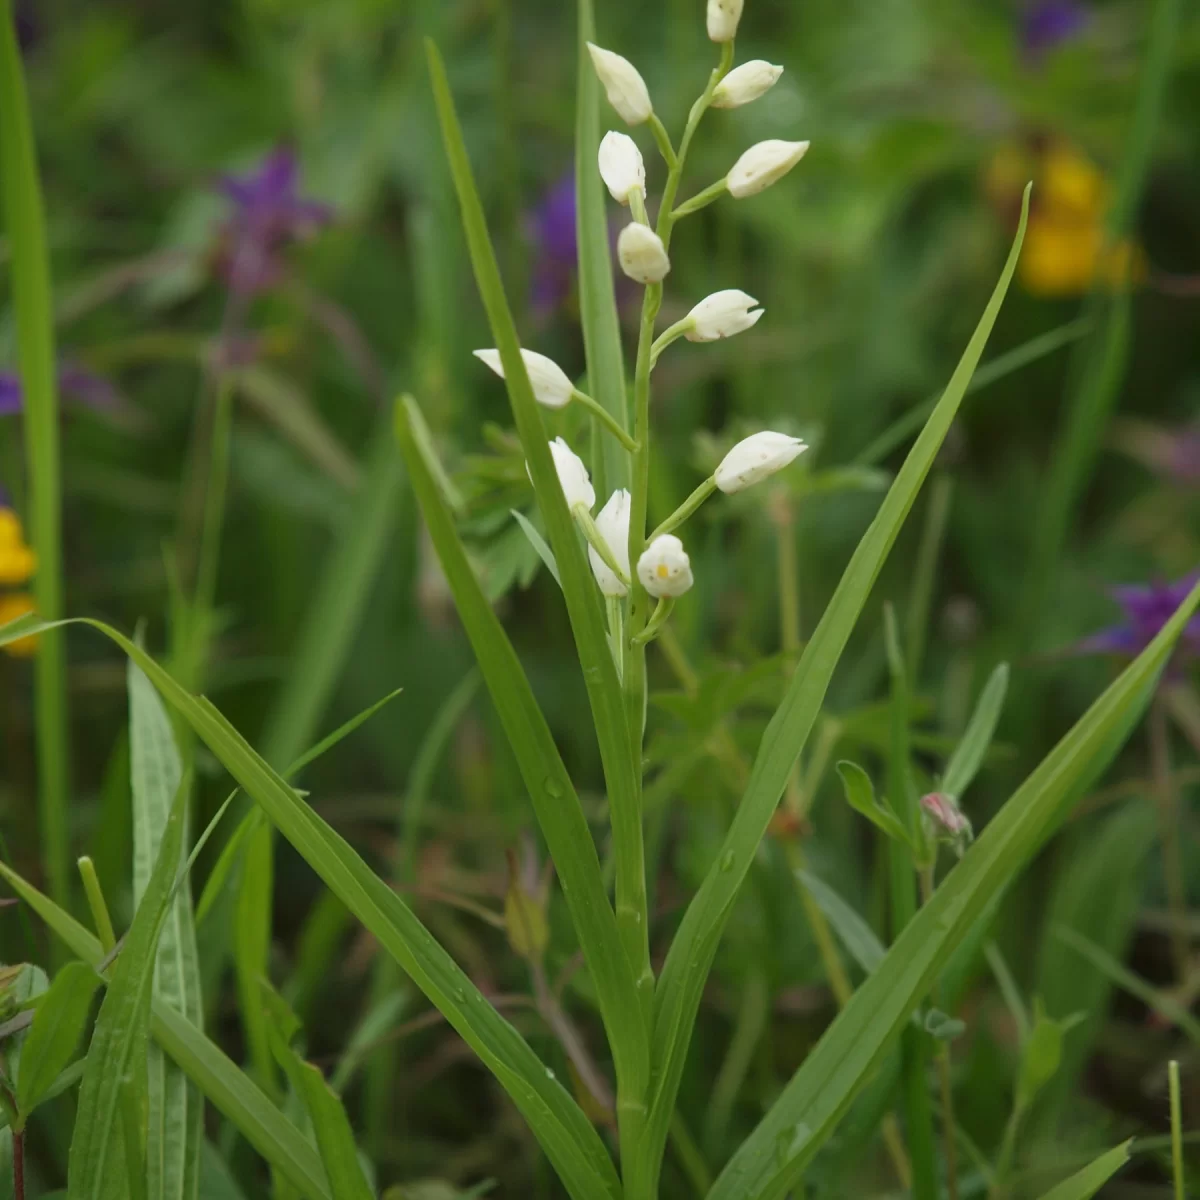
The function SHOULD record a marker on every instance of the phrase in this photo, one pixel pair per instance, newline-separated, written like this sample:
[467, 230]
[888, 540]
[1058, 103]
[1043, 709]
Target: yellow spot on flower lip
[12, 606]
[661, 571]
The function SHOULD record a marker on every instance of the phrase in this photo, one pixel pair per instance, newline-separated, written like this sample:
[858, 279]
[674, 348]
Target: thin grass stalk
[1176, 1131]
[1170, 838]
[24, 220]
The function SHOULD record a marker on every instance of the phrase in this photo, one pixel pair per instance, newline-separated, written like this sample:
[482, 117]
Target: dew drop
[549, 1073]
[554, 788]
[727, 860]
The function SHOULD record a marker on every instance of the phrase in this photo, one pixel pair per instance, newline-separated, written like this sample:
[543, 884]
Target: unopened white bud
[642, 255]
[551, 384]
[613, 523]
[723, 18]
[721, 315]
[746, 83]
[664, 568]
[572, 475]
[621, 166]
[624, 86]
[755, 458]
[762, 165]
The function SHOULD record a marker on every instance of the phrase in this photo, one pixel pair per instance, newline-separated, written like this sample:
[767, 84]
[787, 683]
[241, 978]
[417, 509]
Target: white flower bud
[551, 384]
[721, 315]
[621, 166]
[624, 86]
[723, 18]
[572, 475]
[664, 568]
[641, 254]
[755, 458]
[746, 83]
[762, 165]
[613, 523]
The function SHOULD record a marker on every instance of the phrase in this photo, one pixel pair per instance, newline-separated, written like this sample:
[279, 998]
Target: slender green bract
[681, 984]
[231, 1091]
[808, 1110]
[570, 1142]
[20, 190]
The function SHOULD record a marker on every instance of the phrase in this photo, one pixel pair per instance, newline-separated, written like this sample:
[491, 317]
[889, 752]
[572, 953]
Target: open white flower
[755, 458]
[572, 475]
[621, 166]
[642, 255]
[624, 86]
[613, 523]
[664, 568]
[723, 18]
[762, 165]
[721, 315]
[551, 384]
[746, 83]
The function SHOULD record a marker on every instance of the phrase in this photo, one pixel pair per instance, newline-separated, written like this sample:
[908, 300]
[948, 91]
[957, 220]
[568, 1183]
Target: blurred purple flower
[551, 228]
[268, 215]
[1147, 608]
[27, 26]
[75, 382]
[1049, 23]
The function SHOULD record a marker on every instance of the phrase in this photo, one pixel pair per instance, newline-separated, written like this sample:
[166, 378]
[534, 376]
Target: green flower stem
[637, 207]
[597, 541]
[95, 899]
[701, 199]
[605, 418]
[1176, 1131]
[660, 616]
[616, 629]
[662, 140]
[945, 1077]
[686, 509]
[24, 223]
[665, 339]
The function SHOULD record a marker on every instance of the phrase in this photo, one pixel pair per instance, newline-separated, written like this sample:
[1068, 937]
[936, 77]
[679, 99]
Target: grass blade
[231, 1091]
[819, 1094]
[583, 607]
[555, 801]
[597, 296]
[20, 190]
[114, 1065]
[1083, 1185]
[968, 755]
[175, 1114]
[682, 982]
[856, 935]
[570, 1141]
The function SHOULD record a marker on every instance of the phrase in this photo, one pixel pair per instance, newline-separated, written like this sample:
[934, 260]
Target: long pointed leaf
[175, 1115]
[682, 982]
[570, 1141]
[808, 1110]
[1083, 1185]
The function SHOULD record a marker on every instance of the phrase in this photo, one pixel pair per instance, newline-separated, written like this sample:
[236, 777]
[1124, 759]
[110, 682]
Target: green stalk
[95, 899]
[1176, 1131]
[918, 1111]
[928, 553]
[25, 222]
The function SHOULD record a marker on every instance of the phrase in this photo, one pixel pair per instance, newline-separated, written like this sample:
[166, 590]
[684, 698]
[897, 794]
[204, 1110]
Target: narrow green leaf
[1083, 1185]
[344, 730]
[968, 755]
[24, 221]
[860, 795]
[570, 1141]
[854, 933]
[121, 1025]
[539, 544]
[229, 858]
[621, 772]
[175, 1108]
[811, 1105]
[335, 1138]
[597, 295]
[681, 984]
[54, 1035]
[231, 1091]
[551, 791]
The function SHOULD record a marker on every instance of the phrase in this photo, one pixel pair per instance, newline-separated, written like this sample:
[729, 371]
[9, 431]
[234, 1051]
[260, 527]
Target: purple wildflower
[27, 26]
[268, 215]
[1049, 23]
[1147, 609]
[75, 382]
[551, 228]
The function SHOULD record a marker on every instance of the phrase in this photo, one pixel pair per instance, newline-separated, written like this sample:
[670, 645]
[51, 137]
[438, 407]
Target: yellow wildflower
[12, 606]
[17, 561]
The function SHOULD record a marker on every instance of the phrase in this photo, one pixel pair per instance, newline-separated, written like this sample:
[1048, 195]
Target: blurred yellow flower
[1065, 251]
[17, 560]
[12, 606]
